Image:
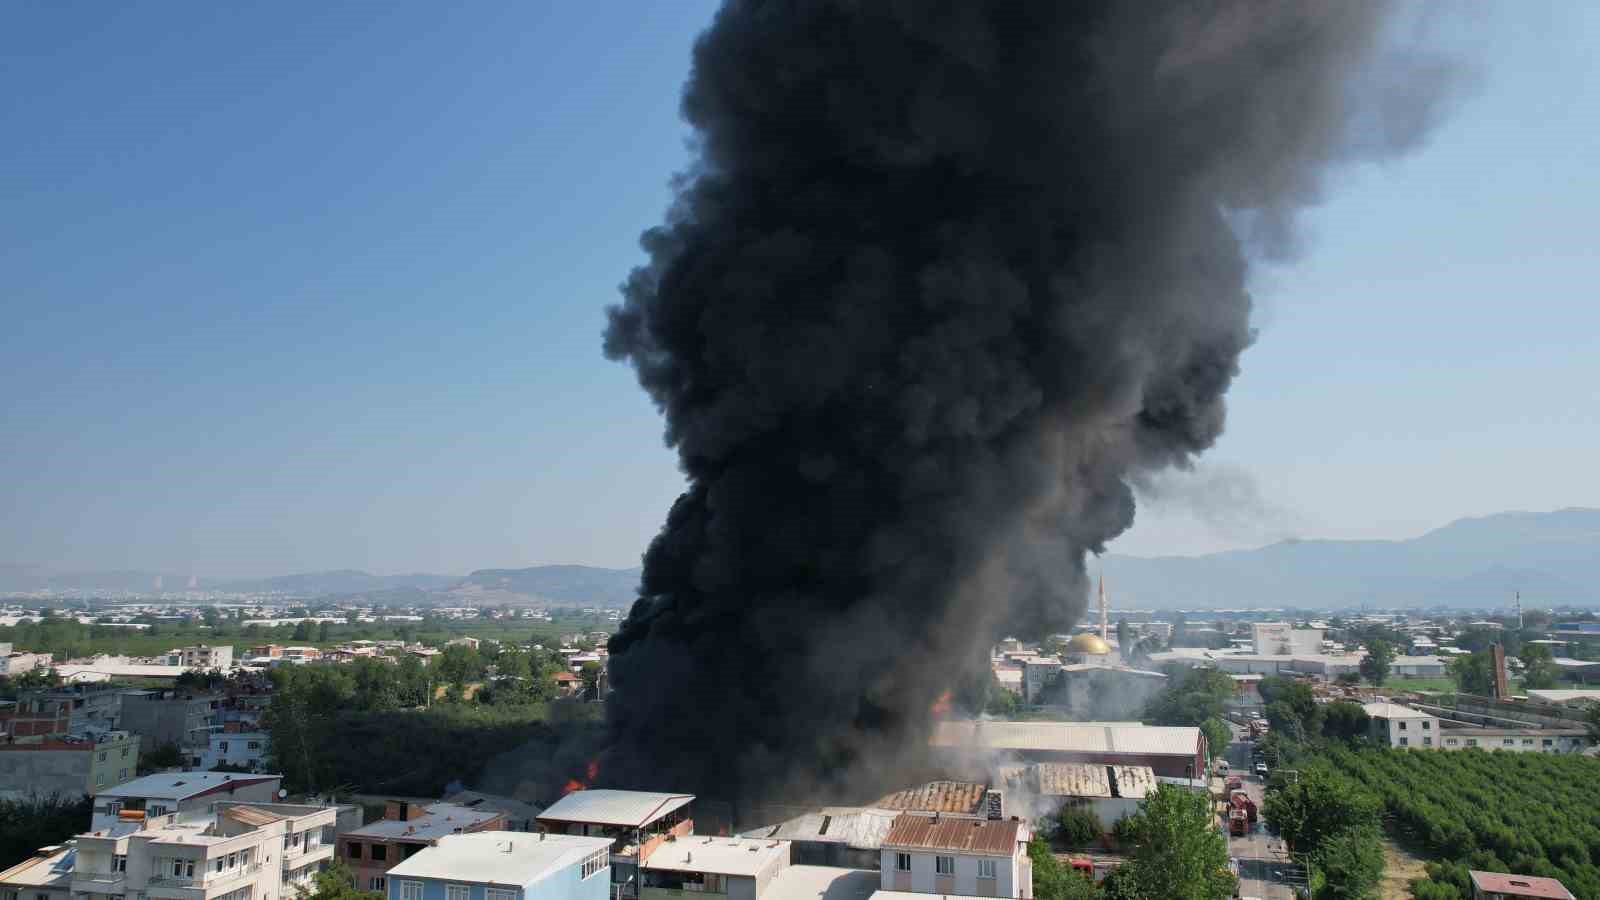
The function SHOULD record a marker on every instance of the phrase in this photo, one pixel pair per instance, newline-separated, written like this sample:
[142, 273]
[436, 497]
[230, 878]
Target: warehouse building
[1169, 751]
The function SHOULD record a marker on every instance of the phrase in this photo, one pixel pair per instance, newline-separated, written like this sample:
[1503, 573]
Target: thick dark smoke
[942, 276]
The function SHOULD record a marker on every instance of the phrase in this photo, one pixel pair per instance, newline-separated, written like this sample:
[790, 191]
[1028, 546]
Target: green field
[68, 639]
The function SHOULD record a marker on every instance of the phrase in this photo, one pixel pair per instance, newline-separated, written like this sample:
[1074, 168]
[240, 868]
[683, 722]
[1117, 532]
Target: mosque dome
[1087, 644]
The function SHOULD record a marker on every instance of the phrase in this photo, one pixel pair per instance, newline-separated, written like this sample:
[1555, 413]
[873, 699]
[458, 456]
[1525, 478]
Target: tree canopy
[1375, 665]
[1175, 851]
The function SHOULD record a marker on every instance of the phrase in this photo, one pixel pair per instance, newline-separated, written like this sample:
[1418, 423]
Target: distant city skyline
[289, 296]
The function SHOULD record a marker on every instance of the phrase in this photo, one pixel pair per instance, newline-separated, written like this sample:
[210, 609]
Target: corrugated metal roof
[1134, 782]
[987, 837]
[860, 828]
[1066, 737]
[937, 796]
[607, 807]
[1079, 780]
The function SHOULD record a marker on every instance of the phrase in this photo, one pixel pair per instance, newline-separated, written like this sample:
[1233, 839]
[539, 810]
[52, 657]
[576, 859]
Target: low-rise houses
[739, 868]
[47, 875]
[1393, 725]
[170, 717]
[68, 766]
[202, 656]
[500, 865]
[407, 828]
[240, 750]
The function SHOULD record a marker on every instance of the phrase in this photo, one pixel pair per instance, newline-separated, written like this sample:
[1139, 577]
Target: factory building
[1170, 751]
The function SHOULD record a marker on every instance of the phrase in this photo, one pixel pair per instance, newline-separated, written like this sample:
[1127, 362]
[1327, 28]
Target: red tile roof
[1520, 885]
[990, 837]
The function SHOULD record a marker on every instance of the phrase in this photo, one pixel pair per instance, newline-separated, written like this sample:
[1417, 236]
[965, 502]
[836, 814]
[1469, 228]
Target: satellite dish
[282, 793]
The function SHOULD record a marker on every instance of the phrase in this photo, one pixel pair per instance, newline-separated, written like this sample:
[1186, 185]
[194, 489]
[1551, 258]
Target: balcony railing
[207, 879]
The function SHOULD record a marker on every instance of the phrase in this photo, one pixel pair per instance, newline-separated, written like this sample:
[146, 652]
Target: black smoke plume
[941, 278]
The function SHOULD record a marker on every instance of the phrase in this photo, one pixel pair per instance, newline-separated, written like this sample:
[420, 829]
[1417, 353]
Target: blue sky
[284, 293]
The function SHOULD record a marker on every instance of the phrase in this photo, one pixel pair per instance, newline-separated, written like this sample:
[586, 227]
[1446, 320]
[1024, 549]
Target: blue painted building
[506, 865]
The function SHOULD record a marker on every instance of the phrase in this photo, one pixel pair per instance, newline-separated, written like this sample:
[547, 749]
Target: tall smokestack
[940, 278]
[1105, 634]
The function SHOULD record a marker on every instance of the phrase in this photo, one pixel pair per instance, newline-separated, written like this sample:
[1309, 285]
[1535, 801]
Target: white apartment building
[957, 856]
[242, 851]
[1398, 726]
[247, 749]
[188, 793]
[202, 656]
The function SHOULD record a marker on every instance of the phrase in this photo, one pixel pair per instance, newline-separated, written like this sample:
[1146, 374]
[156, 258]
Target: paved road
[1263, 860]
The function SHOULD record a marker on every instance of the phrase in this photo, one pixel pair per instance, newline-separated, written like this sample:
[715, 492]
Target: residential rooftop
[1519, 885]
[1393, 711]
[182, 785]
[439, 820]
[633, 809]
[824, 883]
[716, 855]
[857, 827]
[49, 867]
[510, 858]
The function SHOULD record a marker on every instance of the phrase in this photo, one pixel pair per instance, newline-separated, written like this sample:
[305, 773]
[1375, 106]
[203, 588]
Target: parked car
[1261, 769]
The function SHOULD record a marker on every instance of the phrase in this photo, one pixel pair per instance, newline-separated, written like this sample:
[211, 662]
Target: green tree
[458, 665]
[1591, 720]
[1218, 736]
[1349, 679]
[1375, 665]
[159, 758]
[1190, 697]
[1342, 720]
[1350, 862]
[1175, 852]
[1316, 806]
[336, 882]
[302, 632]
[1052, 880]
[34, 822]
[1538, 667]
[1474, 673]
[301, 720]
[322, 632]
[1076, 827]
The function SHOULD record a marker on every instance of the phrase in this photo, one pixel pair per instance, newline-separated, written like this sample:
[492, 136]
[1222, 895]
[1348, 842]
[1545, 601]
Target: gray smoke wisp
[1224, 499]
[941, 277]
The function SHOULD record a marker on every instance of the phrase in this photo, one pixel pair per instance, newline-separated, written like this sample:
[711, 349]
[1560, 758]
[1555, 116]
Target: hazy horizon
[337, 303]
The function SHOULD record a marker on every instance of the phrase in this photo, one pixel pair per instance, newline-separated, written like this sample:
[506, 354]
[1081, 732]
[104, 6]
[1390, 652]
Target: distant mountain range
[1553, 558]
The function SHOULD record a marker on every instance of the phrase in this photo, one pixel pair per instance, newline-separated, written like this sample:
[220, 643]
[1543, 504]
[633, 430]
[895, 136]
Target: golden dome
[1087, 644]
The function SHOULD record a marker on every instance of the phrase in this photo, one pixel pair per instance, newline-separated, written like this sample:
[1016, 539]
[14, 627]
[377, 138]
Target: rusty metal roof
[937, 796]
[1079, 779]
[987, 837]
[250, 815]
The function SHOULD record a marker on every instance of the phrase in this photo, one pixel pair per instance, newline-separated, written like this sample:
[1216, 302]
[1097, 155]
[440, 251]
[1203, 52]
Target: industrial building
[1501, 886]
[1393, 725]
[1170, 751]
[1109, 793]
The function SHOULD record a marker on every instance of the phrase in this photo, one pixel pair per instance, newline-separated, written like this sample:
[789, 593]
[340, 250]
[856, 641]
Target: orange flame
[941, 706]
[591, 771]
[572, 784]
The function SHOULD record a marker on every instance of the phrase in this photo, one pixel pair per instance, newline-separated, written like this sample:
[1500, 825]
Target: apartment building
[241, 851]
[406, 829]
[71, 766]
[187, 793]
[636, 822]
[80, 709]
[170, 717]
[971, 857]
[202, 656]
[737, 868]
[1393, 725]
[505, 865]
[245, 750]
[47, 875]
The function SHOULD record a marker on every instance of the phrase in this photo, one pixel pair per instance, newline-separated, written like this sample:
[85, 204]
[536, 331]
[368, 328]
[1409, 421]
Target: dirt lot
[1399, 867]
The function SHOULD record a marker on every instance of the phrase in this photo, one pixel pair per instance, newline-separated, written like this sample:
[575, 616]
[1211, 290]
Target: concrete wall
[1416, 734]
[180, 720]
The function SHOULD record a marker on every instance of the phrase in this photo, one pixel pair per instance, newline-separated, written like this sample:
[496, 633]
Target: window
[594, 863]
[457, 892]
[124, 752]
[183, 868]
[1427, 742]
[1402, 726]
[376, 883]
[119, 862]
[218, 863]
[1508, 742]
[1549, 743]
[985, 868]
[1527, 742]
[1403, 742]
[244, 856]
[902, 862]
[102, 756]
[499, 894]
[223, 746]
[352, 849]
[1451, 742]
[1472, 742]
[122, 774]
[379, 852]
[944, 865]
[252, 745]
[1427, 725]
